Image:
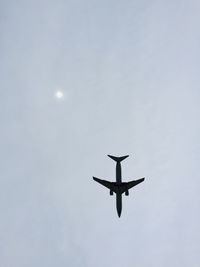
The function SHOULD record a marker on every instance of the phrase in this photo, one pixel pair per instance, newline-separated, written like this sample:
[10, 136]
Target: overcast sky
[129, 75]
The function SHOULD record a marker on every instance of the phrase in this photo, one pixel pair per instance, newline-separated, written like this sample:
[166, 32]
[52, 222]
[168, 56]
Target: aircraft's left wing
[134, 183]
[103, 182]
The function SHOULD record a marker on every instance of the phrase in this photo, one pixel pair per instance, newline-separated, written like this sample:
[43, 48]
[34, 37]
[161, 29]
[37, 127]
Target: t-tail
[118, 159]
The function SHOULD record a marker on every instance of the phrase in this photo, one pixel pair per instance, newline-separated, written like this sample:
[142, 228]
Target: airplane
[118, 187]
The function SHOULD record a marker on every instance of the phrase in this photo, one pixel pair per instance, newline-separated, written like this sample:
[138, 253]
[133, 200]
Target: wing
[103, 182]
[134, 183]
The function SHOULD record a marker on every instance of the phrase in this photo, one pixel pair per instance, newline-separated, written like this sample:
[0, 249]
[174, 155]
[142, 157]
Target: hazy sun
[59, 94]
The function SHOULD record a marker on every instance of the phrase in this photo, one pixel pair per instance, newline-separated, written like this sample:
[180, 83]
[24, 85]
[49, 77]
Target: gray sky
[129, 72]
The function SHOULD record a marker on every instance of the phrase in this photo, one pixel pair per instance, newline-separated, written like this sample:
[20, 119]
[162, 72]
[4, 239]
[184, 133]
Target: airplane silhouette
[118, 187]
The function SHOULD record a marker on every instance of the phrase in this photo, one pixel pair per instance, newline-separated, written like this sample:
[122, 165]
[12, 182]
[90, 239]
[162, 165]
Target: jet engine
[127, 193]
[111, 192]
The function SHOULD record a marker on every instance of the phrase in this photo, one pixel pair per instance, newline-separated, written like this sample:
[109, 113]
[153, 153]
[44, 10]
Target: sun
[59, 94]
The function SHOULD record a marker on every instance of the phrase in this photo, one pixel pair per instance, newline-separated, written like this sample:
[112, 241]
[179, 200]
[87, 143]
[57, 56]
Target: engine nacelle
[111, 192]
[126, 193]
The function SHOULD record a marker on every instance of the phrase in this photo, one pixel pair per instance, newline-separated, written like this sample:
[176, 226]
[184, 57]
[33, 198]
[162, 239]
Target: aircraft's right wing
[134, 183]
[103, 182]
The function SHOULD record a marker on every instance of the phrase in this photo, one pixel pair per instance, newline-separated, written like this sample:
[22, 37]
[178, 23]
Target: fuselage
[119, 195]
[118, 173]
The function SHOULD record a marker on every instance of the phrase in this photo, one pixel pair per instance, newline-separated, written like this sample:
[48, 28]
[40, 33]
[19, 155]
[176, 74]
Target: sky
[128, 76]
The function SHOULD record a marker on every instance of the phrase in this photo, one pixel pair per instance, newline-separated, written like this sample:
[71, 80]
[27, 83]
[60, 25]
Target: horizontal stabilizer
[118, 159]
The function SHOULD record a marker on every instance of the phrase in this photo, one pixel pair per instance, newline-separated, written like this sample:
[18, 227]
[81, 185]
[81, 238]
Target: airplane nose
[119, 212]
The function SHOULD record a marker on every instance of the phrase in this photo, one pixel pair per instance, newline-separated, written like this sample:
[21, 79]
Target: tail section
[118, 159]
